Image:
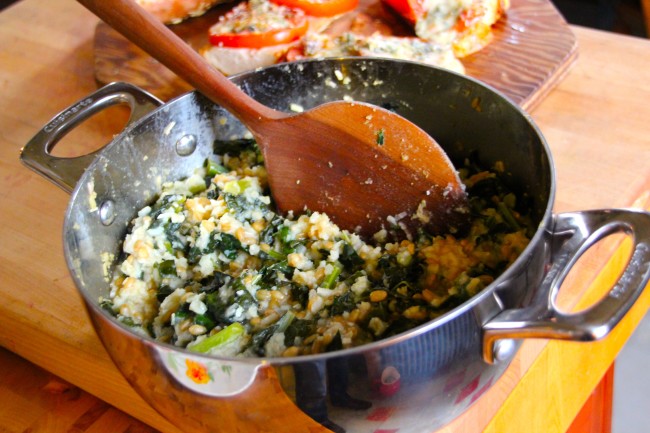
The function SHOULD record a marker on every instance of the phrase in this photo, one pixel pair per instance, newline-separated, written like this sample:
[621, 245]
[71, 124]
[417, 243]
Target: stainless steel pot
[436, 370]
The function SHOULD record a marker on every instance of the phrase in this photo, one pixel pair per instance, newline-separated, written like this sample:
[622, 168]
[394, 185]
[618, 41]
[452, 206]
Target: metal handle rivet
[107, 212]
[186, 145]
[504, 349]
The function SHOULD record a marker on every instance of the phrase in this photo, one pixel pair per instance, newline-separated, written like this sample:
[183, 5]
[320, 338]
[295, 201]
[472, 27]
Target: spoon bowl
[389, 173]
[361, 164]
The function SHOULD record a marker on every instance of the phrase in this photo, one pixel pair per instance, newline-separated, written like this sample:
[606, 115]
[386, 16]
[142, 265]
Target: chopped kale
[259, 340]
[268, 234]
[273, 272]
[181, 314]
[164, 204]
[225, 243]
[241, 296]
[335, 344]
[163, 291]
[214, 282]
[107, 305]
[300, 294]
[167, 268]
[343, 303]
[234, 147]
[242, 206]
[127, 321]
[212, 193]
[291, 246]
[349, 257]
[299, 328]
[283, 234]
[244, 299]
[380, 310]
[217, 307]
[205, 320]
[399, 325]
[394, 273]
[193, 255]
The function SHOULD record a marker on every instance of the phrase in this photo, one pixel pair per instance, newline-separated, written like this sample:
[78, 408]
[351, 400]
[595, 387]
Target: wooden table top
[595, 121]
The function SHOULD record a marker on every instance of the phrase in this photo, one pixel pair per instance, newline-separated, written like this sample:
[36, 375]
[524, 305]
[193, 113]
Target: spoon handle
[147, 32]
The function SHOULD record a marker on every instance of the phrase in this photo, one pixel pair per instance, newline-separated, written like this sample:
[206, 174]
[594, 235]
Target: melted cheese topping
[465, 25]
[254, 16]
[377, 45]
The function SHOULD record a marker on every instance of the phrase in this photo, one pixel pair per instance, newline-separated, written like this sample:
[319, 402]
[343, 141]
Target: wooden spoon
[357, 162]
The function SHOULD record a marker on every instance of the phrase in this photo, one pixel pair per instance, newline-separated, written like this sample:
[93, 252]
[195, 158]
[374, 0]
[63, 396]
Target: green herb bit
[284, 234]
[237, 187]
[107, 305]
[204, 320]
[275, 255]
[331, 278]
[285, 321]
[128, 321]
[227, 335]
[380, 137]
[508, 216]
[212, 168]
[167, 268]
[197, 188]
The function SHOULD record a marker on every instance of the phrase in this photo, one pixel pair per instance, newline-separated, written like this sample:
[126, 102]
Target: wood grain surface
[532, 50]
[36, 401]
[42, 318]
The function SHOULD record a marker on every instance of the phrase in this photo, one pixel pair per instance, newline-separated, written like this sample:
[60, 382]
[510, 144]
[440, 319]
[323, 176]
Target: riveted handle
[572, 235]
[66, 172]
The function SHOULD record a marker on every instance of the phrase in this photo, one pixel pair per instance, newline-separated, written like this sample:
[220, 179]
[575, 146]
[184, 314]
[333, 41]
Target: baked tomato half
[258, 24]
[320, 8]
[410, 10]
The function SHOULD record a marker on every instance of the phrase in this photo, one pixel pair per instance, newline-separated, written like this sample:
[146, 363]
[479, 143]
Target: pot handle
[572, 235]
[66, 172]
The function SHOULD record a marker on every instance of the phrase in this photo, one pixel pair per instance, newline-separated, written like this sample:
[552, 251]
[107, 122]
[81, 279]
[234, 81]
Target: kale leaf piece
[299, 328]
[343, 303]
[234, 147]
[225, 243]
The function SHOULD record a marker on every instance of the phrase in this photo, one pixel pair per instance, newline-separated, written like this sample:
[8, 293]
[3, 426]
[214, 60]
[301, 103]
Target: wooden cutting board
[532, 50]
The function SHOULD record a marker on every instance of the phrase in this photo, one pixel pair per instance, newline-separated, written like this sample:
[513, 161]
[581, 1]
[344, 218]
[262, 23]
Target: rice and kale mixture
[211, 267]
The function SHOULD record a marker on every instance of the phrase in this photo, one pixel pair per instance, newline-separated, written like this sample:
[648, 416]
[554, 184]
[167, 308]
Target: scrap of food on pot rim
[211, 267]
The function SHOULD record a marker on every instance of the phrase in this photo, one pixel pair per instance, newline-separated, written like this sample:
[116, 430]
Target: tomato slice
[256, 24]
[410, 10]
[320, 8]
